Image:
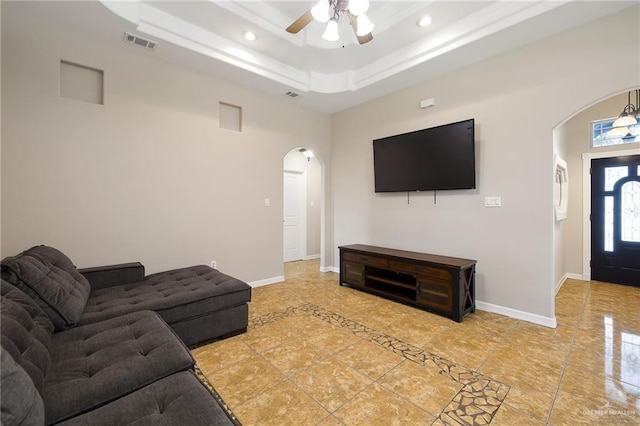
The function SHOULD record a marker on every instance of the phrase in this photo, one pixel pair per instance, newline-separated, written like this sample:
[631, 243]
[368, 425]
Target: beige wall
[517, 99]
[574, 138]
[314, 207]
[149, 175]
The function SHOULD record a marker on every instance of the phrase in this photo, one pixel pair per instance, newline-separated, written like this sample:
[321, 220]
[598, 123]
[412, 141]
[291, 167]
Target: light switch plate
[493, 201]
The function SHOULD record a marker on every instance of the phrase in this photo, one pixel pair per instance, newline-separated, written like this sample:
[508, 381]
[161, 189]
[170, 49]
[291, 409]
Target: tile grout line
[332, 413]
[452, 370]
[510, 330]
[566, 361]
[287, 313]
[274, 317]
[575, 316]
[395, 345]
[507, 334]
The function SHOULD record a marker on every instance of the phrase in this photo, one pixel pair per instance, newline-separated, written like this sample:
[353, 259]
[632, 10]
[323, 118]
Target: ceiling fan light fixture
[358, 7]
[331, 33]
[365, 26]
[320, 11]
[250, 35]
[330, 12]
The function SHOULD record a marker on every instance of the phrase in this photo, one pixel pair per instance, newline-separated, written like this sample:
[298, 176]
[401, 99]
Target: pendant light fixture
[628, 115]
[627, 120]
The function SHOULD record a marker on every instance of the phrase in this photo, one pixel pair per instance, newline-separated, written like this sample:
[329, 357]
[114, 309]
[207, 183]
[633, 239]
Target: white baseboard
[267, 281]
[567, 276]
[330, 269]
[521, 315]
[311, 257]
[572, 276]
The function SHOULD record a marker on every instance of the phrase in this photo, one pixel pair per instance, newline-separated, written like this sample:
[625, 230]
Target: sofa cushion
[20, 402]
[97, 363]
[179, 399]
[50, 277]
[176, 295]
[25, 332]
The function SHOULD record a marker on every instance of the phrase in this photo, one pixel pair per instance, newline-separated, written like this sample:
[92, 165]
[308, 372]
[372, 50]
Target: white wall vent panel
[140, 41]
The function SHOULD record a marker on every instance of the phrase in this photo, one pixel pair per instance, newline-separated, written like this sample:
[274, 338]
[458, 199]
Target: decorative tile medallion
[476, 403]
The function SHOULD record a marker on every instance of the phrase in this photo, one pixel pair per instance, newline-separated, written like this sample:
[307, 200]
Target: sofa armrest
[112, 275]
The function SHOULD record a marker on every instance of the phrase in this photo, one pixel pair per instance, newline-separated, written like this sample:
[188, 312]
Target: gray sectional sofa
[109, 346]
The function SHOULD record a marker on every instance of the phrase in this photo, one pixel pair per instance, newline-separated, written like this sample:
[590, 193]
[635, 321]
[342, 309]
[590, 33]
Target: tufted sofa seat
[179, 399]
[93, 364]
[131, 368]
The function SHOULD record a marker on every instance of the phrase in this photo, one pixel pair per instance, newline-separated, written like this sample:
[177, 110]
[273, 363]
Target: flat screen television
[437, 158]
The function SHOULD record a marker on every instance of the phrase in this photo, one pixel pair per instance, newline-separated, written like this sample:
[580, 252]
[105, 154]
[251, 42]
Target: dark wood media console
[441, 284]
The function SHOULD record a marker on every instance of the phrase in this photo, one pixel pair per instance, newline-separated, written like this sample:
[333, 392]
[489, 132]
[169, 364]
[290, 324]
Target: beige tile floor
[317, 353]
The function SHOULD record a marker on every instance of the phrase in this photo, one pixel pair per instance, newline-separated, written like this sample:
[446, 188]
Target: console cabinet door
[435, 293]
[353, 273]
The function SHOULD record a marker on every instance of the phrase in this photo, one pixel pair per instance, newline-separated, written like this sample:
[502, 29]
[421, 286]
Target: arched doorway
[572, 141]
[302, 206]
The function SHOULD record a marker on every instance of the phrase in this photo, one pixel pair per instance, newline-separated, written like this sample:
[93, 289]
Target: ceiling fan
[354, 9]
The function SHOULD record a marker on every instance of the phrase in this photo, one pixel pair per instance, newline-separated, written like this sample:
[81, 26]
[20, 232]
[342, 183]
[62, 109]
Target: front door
[615, 220]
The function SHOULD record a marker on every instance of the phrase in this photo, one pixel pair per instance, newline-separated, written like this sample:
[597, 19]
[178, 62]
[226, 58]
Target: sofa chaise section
[199, 303]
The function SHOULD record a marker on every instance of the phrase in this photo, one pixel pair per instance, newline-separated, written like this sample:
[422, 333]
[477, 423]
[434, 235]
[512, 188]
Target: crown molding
[161, 25]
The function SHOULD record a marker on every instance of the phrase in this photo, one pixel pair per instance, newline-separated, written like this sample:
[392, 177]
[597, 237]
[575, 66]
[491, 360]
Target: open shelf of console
[441, 284]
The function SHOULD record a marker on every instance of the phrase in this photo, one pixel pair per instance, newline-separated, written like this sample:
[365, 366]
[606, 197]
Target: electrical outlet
[214, 264]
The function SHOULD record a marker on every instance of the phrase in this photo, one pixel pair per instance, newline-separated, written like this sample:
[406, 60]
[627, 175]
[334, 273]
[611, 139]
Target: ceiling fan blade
[300, 23]
[354, 24]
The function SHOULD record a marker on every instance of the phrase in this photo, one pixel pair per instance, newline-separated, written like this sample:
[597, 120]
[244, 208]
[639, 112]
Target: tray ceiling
[331, 76]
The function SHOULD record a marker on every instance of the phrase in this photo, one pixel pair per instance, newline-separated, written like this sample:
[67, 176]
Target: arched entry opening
[302, 206]
[573, 240]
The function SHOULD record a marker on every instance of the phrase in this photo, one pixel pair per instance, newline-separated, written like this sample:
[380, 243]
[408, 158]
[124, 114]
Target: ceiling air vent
[139, 41]
[292, 94]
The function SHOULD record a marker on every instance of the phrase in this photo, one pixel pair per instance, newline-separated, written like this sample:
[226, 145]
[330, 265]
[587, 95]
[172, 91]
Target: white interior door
[293, 223]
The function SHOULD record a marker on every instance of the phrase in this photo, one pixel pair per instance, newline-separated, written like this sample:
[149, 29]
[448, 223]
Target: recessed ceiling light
[424, 21]
[250, 36]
